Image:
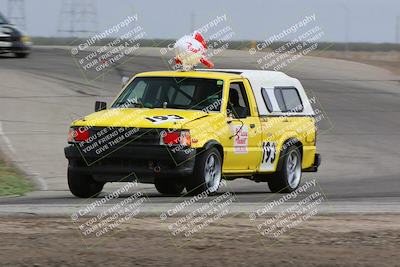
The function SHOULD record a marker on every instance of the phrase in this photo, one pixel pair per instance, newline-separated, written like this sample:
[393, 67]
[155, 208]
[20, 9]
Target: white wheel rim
[212, 173]
[293, 167]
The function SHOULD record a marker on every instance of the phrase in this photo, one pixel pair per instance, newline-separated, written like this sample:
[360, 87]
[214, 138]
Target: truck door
[243, 149]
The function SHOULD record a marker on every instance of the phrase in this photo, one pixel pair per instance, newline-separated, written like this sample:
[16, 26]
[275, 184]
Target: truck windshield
[3, 19]
[172, 92]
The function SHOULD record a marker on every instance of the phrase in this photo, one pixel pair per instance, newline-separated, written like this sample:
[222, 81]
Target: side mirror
[98, 106]
[124, 81]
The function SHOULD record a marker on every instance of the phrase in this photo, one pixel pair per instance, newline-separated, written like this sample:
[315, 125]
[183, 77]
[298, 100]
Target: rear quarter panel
[280, 132]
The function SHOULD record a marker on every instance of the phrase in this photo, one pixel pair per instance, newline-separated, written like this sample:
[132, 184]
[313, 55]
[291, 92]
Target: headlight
[25, 39]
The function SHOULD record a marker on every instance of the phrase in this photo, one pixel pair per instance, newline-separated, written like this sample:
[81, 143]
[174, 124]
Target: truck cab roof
[197, 73]
[264, 85]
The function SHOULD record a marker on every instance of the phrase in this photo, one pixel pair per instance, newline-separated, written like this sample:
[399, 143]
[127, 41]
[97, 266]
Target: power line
[16, 13]
[78, 18]
[397, 29]
[192, 21]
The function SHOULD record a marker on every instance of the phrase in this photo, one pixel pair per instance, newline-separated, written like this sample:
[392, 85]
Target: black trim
[287, 115]
[267, 101]
[221, 71]
[211, 143]
[214, 143]
[316, 164]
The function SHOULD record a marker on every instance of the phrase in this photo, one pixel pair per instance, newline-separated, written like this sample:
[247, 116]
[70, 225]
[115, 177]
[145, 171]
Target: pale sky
[367, 20]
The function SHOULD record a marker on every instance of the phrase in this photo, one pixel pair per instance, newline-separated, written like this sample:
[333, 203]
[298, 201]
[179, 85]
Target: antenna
[397, 27]
[16, 13]
[78, 18]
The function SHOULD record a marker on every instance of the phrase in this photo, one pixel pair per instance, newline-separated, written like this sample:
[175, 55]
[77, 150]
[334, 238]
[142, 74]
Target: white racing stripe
[40, 182]
[6, 140]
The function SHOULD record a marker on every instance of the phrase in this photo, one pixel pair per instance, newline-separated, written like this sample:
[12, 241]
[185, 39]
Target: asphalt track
[41, 95]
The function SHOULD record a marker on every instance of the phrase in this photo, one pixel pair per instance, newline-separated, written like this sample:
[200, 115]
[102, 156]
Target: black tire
[83, 186]
[198, 182]
[21, 55]
[168, 186]
[282, 181]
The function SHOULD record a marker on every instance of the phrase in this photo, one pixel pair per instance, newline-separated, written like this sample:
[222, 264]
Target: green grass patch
[12, 182]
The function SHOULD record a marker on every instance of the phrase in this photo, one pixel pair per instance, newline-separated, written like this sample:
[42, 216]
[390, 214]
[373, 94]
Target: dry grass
[389, 60]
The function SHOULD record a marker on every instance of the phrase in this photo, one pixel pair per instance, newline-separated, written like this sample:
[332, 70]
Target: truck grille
[126, 136]
[8, 39]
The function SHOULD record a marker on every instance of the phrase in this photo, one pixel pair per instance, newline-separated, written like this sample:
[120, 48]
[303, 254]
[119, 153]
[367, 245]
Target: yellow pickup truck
[189, 130]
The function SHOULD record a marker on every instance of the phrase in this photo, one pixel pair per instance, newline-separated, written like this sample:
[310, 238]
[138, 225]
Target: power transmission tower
[397, 29]
[78, 18]
[192, 21]
[16, 13]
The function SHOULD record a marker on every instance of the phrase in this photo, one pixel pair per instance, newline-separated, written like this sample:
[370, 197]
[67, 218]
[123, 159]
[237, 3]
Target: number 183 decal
[163, 119]
[268, 157]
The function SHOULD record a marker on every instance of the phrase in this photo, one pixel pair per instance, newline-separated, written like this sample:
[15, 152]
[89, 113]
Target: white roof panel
[268, 80]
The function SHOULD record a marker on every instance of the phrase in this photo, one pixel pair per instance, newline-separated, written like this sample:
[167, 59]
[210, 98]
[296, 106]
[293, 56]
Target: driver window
[238, 104]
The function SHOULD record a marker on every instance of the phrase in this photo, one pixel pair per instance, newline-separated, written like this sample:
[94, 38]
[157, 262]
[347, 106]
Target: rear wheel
[207, 173]
[289, 177]
[168, 186]
[82, 185]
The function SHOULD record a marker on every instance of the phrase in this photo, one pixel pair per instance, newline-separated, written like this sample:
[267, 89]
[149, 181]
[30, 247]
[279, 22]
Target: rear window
[288, 99]
[267, 101]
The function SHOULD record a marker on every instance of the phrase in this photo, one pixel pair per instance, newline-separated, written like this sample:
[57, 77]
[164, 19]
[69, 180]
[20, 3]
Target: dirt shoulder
[340, 240]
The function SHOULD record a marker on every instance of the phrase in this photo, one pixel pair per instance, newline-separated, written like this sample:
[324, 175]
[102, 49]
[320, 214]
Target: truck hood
[141, 118]
[7, 30]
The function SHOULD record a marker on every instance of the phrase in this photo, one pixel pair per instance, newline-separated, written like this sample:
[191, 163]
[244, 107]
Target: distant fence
[237, 45]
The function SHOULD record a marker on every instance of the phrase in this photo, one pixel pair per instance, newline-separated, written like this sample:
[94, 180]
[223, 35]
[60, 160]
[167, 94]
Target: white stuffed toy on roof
[190, 50]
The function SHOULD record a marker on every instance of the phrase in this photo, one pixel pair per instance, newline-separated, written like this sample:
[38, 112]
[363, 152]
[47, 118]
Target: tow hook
[157, 169]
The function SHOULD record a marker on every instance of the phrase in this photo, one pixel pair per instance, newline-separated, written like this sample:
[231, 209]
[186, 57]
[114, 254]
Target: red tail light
[176, 138]
[171, 138]
[78, 135]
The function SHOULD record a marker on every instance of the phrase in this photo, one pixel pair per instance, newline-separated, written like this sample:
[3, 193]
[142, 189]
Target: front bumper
[129, 163]
[14, 47]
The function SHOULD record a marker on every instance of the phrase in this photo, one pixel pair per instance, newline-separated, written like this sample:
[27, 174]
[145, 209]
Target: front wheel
[168, 186]
[207, 173]
[82, 185]
[288, 178]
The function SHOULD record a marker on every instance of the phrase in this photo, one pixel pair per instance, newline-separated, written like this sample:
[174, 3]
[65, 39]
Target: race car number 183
[162, 119]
